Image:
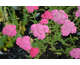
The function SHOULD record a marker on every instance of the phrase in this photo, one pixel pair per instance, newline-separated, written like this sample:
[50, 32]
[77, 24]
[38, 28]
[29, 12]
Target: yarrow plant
[44, 21]
[48, 30]
[47, 15]
[59, 16]
[39, 30]
[34, 51]
[24, 43]
[10, 30]
[31, 8]
[77, 13]
[68, 27]
[75, 53]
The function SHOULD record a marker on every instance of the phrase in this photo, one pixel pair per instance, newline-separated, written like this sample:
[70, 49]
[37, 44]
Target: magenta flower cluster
[68, 27]
[39, 30]
[31, 8]
[47, 15]
[24, 42]
[44, 21]
[34, 51]
[59, 16]
[9, 30]
[75, 53]
[77, 13]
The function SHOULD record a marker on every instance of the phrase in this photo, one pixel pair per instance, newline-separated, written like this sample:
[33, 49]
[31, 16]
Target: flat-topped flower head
[10, 30]
[44, 21]
[34, 52]
[68, 27]
[54, 12]
[75, 53]
[59, 16]
[24, 43]
[47, 15]
[39, 30]
[31, 8]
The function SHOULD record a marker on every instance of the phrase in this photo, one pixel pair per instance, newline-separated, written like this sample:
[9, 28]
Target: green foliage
[69, 49]
[1, 44]
[25, 16]
[4, 38]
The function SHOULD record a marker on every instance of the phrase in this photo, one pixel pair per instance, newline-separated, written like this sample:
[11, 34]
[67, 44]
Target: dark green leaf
[1, 44]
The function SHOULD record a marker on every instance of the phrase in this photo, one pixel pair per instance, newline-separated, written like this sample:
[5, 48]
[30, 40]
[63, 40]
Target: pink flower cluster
[24, 42]
[59, 16]
[77, 13]
[44, 21]
[68, 27]
[75, 53]
[9, 30]
[34, 51]
[31, 8]
[39, 30]
[47, 15]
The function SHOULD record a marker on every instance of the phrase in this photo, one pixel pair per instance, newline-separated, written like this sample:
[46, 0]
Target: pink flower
[54, 12]
[34, 52]
[31, 8]
[36, 7]
[78, 7]
[46, 28]
[44, 21]
[24, 43]
[77, 13]
[39, 30]
[47, 15]
[18, 40]
[9, 30]
[68, 27]
[59, 16]
[75, 53]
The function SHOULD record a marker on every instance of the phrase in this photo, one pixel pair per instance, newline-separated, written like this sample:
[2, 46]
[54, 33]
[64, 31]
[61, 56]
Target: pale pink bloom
[18, 40]
[54, 12]
[32, 8]
[36, 7]
[34, 51]
[42, 36]
[47, 15]
[26, 37]
[59, 16]
[77, 13]
[75, 53]
[10, 30]
[68, 27]
[39, 30]
[44, 21]
[46, 28]
[24, 43]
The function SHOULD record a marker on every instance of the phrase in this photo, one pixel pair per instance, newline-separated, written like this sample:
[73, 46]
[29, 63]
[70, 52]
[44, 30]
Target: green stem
[34, 18]
[75, 19]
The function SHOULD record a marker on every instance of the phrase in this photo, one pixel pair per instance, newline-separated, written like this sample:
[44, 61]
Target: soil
[14, 53]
